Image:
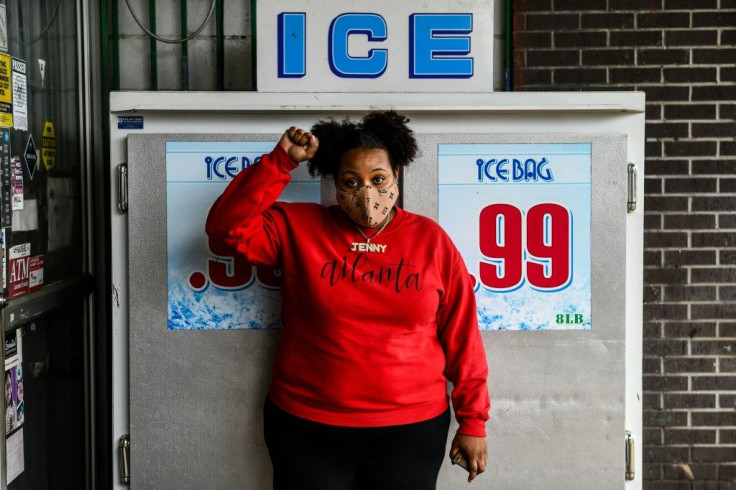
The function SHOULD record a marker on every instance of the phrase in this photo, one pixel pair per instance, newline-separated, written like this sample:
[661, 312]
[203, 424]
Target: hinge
[631, 204]
[630, 457]
[123, 187]
[124, 459]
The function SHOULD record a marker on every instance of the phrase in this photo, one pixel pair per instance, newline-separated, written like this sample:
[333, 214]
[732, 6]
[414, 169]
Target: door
[562, 398]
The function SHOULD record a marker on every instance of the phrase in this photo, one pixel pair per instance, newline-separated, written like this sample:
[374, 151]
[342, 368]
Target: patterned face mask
[368, 206]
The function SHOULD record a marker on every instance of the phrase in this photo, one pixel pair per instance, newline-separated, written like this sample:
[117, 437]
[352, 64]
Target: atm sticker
[18, 270]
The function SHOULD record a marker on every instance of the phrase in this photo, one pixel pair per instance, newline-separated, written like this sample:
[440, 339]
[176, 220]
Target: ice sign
[520, 215]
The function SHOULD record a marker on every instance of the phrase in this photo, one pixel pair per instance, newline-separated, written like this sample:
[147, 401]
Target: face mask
[368, 206]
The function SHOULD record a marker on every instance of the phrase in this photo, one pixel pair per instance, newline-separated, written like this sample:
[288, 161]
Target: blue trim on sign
[297, 20]
[443, 55]
[371, 53]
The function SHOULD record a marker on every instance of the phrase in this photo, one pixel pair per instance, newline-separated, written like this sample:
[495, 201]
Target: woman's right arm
[240, 219]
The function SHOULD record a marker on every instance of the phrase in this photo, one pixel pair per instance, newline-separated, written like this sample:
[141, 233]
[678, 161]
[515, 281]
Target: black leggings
[309, 455]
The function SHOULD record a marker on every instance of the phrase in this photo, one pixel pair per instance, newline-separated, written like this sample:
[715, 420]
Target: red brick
[690, 4]
[580, 5]
[690, 293]
[688, 400]
[714, 19]
[664, 347]
[652, 257]
[651, 472]
[691, 37]
[652, 365]
[653, 149]
[599, 57]
[690, 186]
[716, 310]
[727, 293]
[727, 147]
[714, 167]
[637, 38]
[726, 221]
[652, 294]
[726, 401]
[607, 21]
[727, 436]
[553, 58]
[665, 419]
[690, 329]
[715, 92]
[689, 365]
[727, 185]
[714, 203]
[551, 22]
[580, 75]
[532, 39]
[666, 454]
[662, 56]
[689, 111]
[698, 471]
[668, 167]
[714, 130]
[690, 221]
[713, 347]
[652, 330]
[714, 419]
[653, 186]
[689, 75]
[714, 239]
[714, 454]
[665, 239]
[663, 312]
[670, 203]
[652, 437]
[664, 383]
[727, 365]
[690, 148]
[665, 276]
[714, 383]
[689, 436]
[662, 19]
[664, 93]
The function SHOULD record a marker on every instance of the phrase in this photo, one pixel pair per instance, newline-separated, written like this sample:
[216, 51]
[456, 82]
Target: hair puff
[379, 129]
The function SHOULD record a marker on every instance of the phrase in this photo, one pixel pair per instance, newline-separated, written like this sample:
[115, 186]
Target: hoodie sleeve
[243, 218]
[466, 366]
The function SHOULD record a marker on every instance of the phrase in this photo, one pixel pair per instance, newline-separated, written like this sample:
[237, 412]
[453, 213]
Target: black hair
[386, 130]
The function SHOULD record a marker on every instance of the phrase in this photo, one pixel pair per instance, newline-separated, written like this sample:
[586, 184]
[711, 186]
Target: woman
[378, 312]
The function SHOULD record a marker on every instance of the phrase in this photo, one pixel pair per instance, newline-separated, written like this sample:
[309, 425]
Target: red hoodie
[371, 333]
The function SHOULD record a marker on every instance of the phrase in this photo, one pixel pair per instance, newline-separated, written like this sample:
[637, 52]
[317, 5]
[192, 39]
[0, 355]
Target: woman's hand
[300, 145]
[475, 450]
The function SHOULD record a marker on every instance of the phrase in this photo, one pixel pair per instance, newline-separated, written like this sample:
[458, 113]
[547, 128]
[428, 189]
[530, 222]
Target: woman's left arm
[466, 367]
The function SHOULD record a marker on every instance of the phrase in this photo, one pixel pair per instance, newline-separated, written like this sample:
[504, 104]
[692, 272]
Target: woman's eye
[351, 183]
[378, 180]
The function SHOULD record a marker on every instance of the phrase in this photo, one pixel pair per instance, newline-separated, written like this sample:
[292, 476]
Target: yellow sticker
[6, 92]
[48, 145]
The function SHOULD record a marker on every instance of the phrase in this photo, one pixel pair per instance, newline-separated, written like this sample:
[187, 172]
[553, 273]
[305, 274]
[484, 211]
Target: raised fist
[300, 145]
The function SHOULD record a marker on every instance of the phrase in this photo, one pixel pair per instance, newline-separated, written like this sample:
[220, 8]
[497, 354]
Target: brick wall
[682, 53]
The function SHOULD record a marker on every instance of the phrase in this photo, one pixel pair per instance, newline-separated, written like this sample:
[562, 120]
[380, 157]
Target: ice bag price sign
[209, 289]
[520, 216]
